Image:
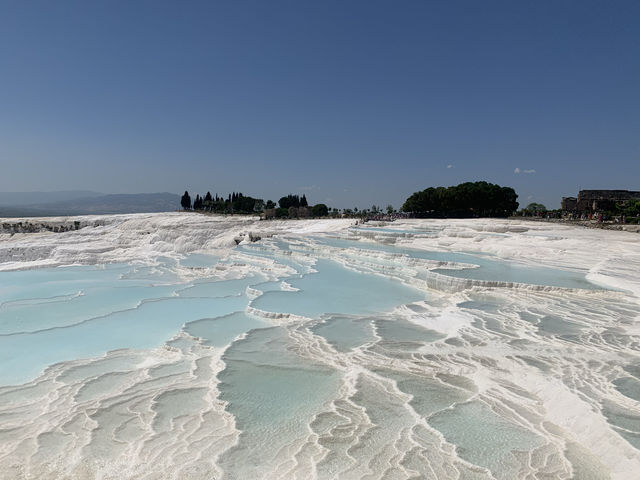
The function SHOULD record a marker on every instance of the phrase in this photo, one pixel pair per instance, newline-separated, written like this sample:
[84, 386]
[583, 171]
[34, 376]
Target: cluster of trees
[368, 213]
[631, 209]
[234, 203]
[318, 210]
[539, 210]
[534, 208]
[293, 201]
[470, 199]
[240, 203]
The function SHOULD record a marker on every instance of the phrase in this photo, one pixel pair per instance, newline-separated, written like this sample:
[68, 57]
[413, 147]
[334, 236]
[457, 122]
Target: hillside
[89, 205]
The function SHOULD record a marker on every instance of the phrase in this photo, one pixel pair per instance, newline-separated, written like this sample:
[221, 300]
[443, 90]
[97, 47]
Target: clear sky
[349, 102]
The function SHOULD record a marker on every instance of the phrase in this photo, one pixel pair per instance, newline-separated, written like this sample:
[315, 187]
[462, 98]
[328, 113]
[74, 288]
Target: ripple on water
[384, 416]
[220, 331]
[484, 438]
[335, 289]
[148, 326]
[274, 395]
[489, 269]
[346, 333]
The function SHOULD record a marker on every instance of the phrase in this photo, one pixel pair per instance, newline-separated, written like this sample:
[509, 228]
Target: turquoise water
[485, 438]
[274, 395]
[219, 289]
[346, 333]
[400, 330]
[221, 331]
[488, 268]
[24, 355]
[282, 256]
[506, 272]
[429, 395]
[334, 289]
[74, 312]
[92, 310]
[186, 377]
[58, 282]
[27, 315]
[394, 231]
[200, 260]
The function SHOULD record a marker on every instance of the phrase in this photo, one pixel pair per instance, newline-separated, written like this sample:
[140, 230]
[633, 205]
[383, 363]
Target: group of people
[599, 217]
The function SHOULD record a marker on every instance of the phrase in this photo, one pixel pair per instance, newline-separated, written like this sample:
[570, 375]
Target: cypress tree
[185, 201]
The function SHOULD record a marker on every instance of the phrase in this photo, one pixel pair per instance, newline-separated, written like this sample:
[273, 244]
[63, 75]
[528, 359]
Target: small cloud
[308, 188]
[516, 170]
[529, 171]
[530, 197]
[449, 166]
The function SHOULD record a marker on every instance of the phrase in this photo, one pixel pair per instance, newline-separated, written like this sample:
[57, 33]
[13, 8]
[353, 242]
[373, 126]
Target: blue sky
[349, 102]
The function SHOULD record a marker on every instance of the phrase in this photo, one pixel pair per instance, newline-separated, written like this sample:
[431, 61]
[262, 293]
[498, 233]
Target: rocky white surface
[567, 402]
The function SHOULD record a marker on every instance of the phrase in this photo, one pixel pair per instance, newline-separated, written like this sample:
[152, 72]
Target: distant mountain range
[46, 204]
[21, 199]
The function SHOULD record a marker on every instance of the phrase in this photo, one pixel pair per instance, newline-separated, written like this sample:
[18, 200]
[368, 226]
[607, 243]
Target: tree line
[466, 200]
[237, 202]
[233, 203]
[470, 199]
[293, 201]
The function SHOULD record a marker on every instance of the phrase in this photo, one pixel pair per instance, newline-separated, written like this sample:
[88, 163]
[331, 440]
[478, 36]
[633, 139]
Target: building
[569, 204]
[591, 201]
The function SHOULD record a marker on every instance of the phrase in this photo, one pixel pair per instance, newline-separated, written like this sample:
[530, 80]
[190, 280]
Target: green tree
[534, 208]
[470, 199]
[185, 201]
[289, 201]
[197, 203]
[632, 209]
[258, 205]
[320, 210]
